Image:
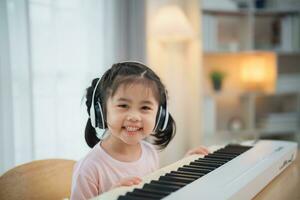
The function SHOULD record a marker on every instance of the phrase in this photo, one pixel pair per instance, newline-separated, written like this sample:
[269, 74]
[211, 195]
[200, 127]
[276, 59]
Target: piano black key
[189, 169]
[218, 157]
[178, 179]
[231, 151]
[209, 162]
[238, 146]
[213, 160]
[164, 182]
[182, 175]
[166, 188]
[145, 190]
[199, 167]
[225, 155]
[145, 195]
[188, 173]
[215, 165]
[134, 198]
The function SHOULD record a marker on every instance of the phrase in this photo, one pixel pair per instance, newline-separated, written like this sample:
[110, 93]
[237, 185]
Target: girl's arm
[128, 182]
[198, 150]
[84, 188]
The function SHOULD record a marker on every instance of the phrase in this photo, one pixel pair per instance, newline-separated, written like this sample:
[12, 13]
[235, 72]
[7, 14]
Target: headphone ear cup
[166, 118]
[100, 122]
[160, 119]
[163, 117]
[92, 116]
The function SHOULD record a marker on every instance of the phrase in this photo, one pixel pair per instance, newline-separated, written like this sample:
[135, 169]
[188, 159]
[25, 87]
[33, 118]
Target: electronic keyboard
[234, 171]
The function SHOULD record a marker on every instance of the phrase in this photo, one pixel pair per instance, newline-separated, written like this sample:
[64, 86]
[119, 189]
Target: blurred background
[232, 69]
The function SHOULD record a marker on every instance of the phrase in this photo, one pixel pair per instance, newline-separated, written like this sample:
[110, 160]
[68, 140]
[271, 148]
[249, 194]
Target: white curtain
[54, 49]
[6, 124]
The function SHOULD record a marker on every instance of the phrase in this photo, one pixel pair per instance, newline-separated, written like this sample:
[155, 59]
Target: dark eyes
[146, 108]
[123, 106]
[126, 106]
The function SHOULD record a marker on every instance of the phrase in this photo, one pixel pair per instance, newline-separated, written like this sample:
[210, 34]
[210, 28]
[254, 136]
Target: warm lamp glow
[256, 74]
[254, 71]
[170, 24]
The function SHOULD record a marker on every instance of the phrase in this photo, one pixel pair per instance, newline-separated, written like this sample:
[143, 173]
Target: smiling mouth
[131, 130]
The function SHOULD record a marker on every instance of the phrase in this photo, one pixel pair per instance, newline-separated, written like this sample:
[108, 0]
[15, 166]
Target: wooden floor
[285, 186]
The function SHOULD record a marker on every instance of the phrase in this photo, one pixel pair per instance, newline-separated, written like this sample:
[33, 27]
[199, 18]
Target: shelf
[239, 132]
[222, 94]
[258, 12]
[256, 132]
[248, 94]
[292, 53]
[225, 12]
[278, 133]
[275, 13]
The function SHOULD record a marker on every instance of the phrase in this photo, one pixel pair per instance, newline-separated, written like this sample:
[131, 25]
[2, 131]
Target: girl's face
[131, 113]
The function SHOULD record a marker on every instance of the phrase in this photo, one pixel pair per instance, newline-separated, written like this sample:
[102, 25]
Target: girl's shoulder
[147, 145]
[91, 160]
[149, 148]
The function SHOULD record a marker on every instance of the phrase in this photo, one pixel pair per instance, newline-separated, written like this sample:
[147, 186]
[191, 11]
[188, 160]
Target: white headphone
[97, 126]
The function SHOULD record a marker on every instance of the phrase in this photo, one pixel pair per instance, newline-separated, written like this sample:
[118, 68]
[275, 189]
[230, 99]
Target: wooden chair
[42, 179]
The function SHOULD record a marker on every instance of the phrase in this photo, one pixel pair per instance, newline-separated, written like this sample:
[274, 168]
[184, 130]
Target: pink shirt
[97, 172]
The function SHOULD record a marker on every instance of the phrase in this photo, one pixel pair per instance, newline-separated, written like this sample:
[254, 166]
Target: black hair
[128, 73]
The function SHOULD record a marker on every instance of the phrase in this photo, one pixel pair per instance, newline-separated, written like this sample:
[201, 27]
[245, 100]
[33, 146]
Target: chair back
[42, 179]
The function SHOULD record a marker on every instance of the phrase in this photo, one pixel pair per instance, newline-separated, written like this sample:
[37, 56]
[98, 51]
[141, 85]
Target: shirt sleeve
[85, 186]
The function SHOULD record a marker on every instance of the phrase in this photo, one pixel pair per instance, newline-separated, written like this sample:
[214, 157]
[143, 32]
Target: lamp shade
[170, 24]
[257, 74]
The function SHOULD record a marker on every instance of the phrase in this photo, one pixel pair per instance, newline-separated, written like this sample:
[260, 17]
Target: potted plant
[217, 78]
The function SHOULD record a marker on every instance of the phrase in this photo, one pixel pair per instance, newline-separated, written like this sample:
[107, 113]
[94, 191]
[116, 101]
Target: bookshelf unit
[239, 113]
[251, 29]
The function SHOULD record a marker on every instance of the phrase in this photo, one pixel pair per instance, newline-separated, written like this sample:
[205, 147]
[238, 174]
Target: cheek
[113, 118]
[151, 120]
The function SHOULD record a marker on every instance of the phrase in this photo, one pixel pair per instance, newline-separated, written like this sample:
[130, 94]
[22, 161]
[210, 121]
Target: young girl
[126, 106]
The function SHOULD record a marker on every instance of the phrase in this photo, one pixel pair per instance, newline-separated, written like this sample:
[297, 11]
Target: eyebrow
[128, 100]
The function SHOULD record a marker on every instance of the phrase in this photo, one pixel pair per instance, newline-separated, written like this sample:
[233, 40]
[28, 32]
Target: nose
[133, 116]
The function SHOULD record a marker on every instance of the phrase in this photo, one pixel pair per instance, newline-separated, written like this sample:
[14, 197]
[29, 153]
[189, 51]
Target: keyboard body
[240, 177]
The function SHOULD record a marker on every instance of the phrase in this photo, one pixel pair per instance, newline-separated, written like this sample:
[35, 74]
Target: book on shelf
[296, 33]
[287, 83]
[222, 5]
[210, 31]
[290, 33]
[280, 122]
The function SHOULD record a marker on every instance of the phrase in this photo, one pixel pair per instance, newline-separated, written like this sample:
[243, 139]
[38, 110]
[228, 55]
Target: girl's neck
[120, 150]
